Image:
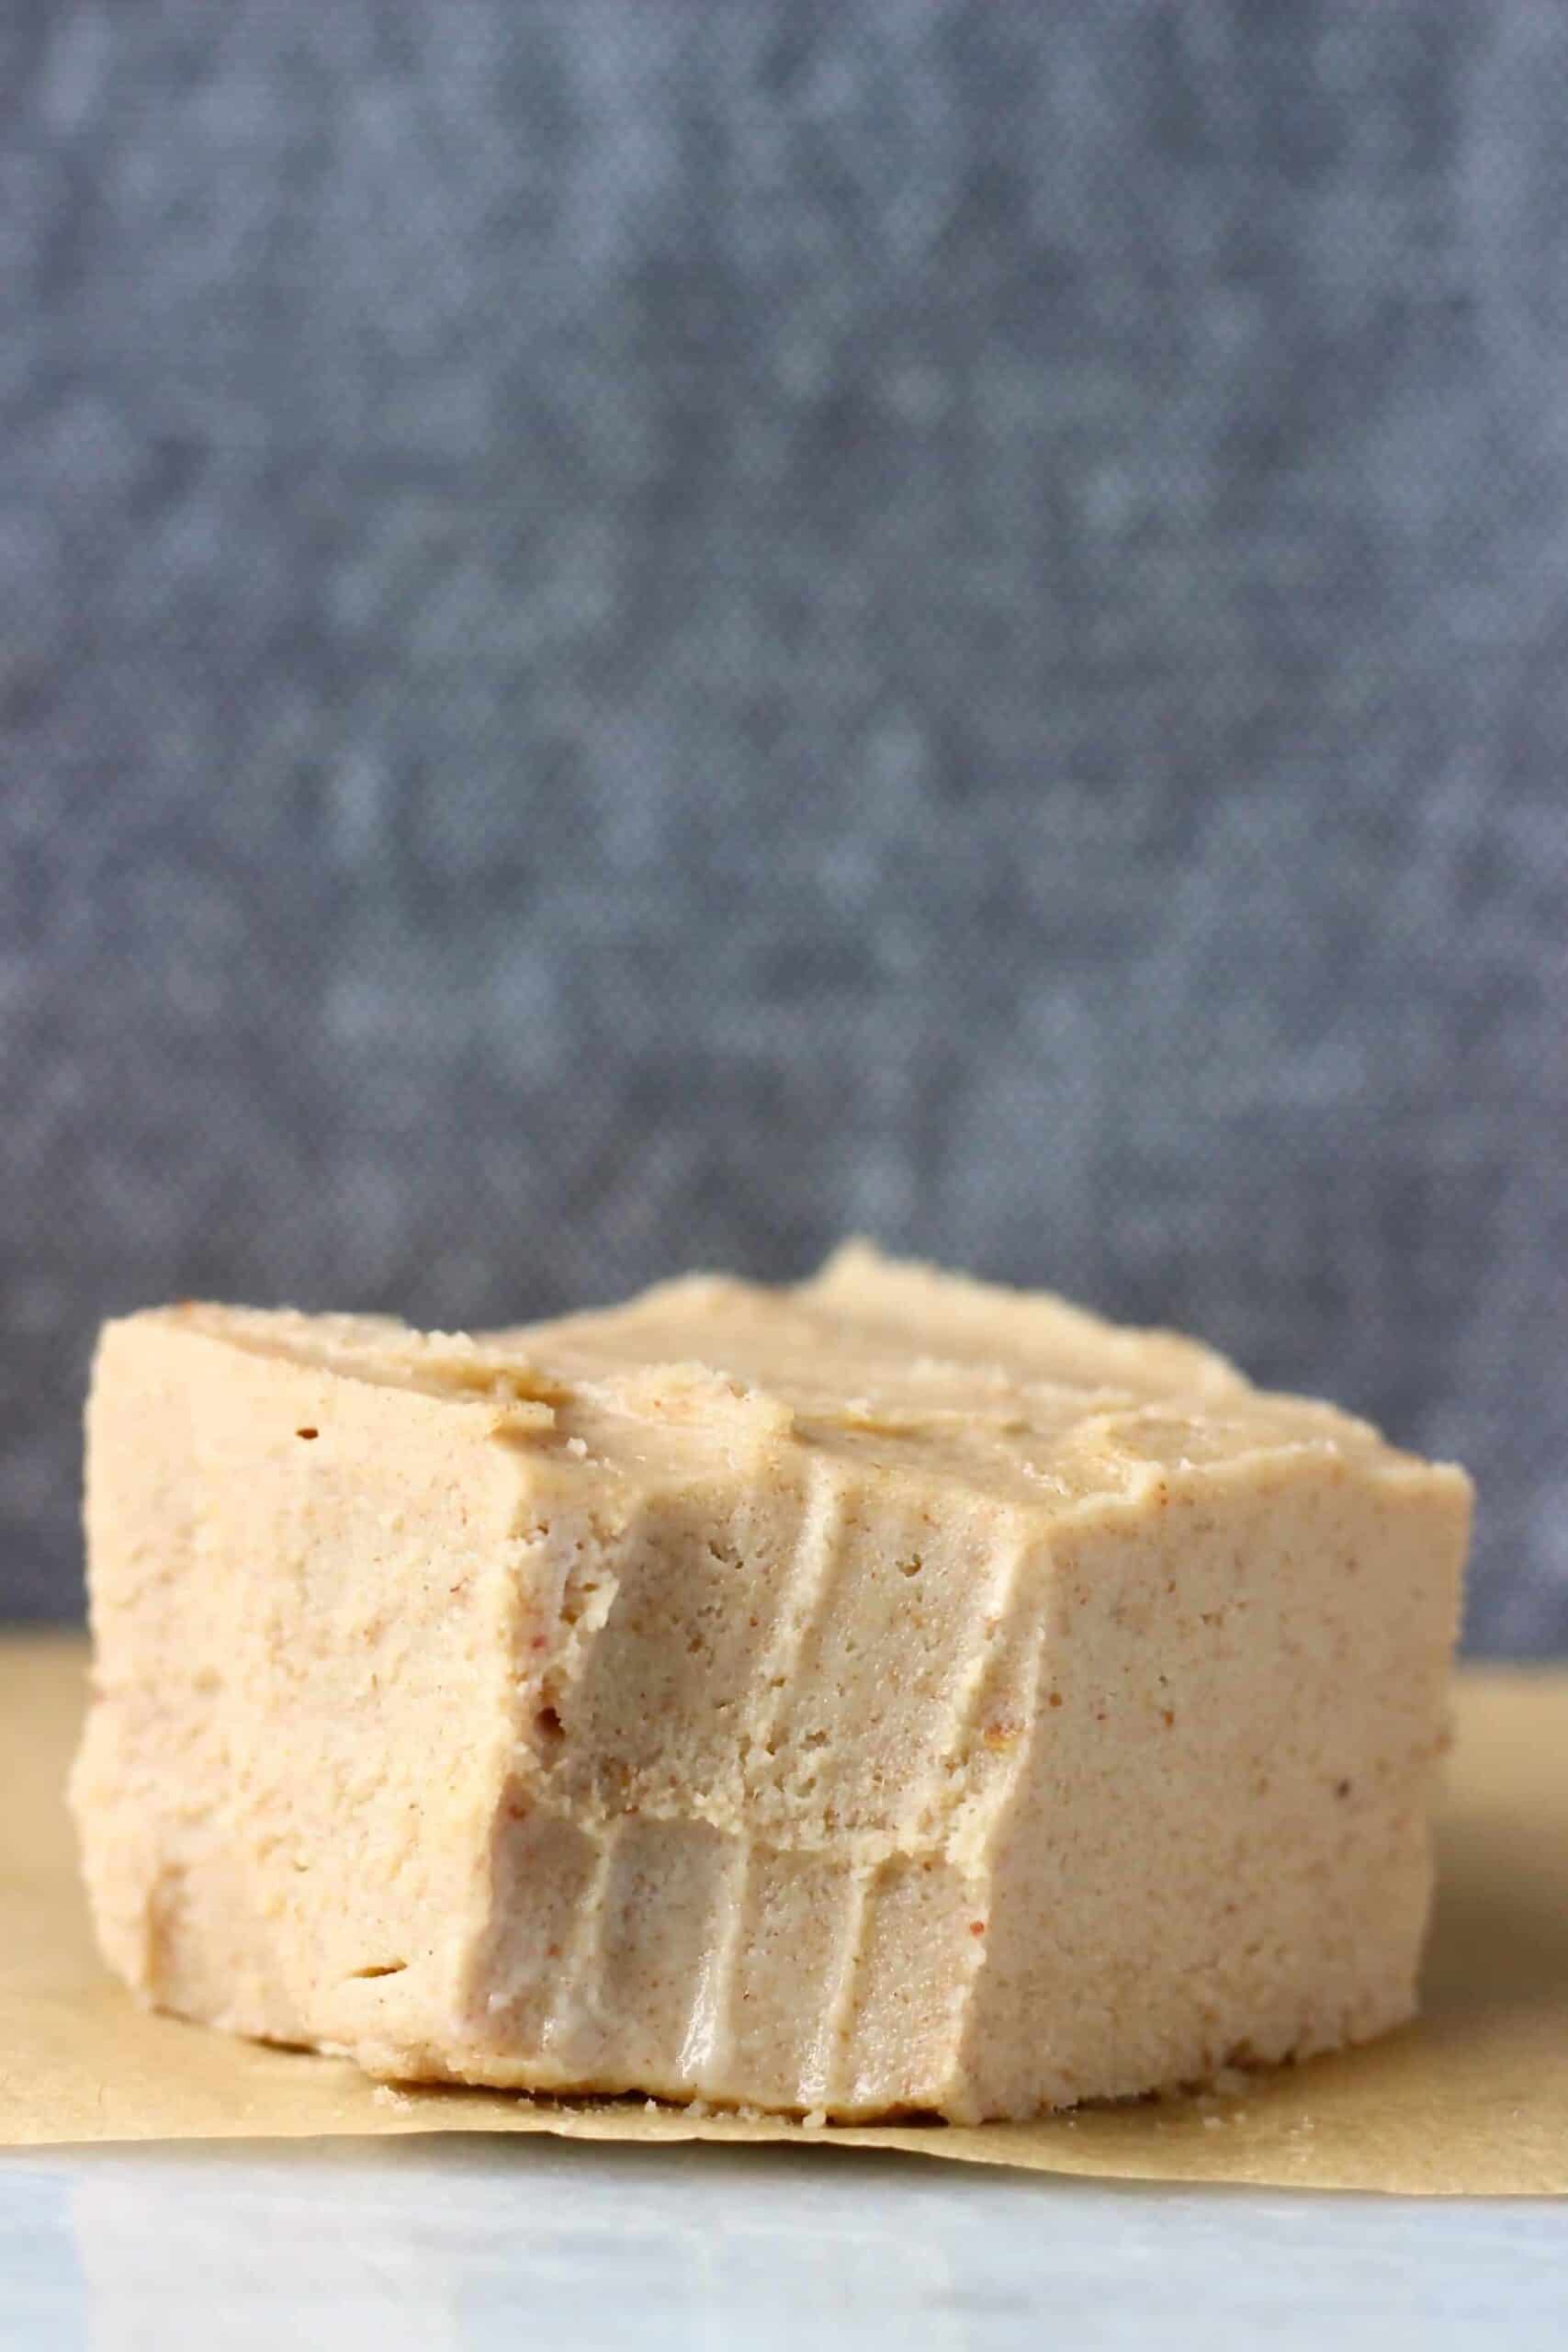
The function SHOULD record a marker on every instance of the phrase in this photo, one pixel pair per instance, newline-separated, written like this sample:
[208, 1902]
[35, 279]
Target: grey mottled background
[634, 634]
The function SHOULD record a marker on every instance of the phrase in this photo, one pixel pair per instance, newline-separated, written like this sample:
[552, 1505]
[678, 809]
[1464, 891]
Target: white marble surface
[437, 2243]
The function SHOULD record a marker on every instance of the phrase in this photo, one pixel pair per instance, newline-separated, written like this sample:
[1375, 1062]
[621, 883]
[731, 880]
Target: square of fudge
[889, 1694]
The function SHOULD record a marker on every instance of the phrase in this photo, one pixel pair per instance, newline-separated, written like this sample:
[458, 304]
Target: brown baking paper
[1471, 2100]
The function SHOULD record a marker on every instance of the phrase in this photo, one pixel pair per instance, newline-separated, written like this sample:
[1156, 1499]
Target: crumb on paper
[814, 2118]
[388, 2095]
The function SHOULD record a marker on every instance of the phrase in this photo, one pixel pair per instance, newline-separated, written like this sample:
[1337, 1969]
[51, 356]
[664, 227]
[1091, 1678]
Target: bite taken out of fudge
[889, 1694]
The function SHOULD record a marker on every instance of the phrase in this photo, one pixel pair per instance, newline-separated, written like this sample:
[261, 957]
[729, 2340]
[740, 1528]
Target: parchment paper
[1471, 2100]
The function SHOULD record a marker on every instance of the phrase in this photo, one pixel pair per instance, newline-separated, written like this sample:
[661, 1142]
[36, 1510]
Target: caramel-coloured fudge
[893, 1693]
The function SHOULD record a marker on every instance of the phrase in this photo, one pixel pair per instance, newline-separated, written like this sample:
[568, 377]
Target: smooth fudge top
[1017, 1395]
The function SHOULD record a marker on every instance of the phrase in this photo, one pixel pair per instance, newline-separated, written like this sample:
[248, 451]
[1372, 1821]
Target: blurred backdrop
[634, 634]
